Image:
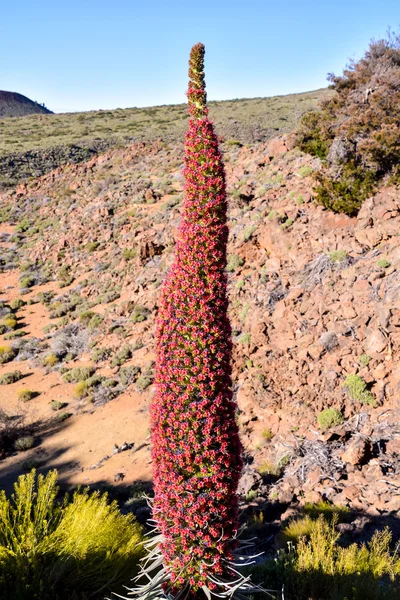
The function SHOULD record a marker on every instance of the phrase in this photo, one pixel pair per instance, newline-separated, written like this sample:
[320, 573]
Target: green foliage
[364, 360]
[139, 314]
[50, 360]
[61, 551]
[356, 131]
[305, 171]
[27, 282]
[22, 444]
[7, 354]
[92, 246]
[24, 395]
[128, 374]
[329, 418]
[81, 389]
[320, 568]
[17, 303]
[78, 374]
[124, 354]
[337, 255]
[383, 263]
[129, 253]
[234, 262]
[245, 338]
[143, 382]
[10, 377]
[357, 390]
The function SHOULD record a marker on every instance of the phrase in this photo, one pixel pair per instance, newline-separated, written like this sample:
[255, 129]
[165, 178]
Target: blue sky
[84, 54]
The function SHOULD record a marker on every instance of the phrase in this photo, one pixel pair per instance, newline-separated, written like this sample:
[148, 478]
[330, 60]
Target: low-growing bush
[139, 314]
[92, 246]
[128, 375]
[319, 567]
[234, 262]
[7, 354]
[357, 389]
[22, 444]
[143, 382]
[50, 360]
[11, 377]
[27, 282]
[78, 374]
[25, 395]
[337, 255]
[329, 418]
[17, 303]
[129, 253]
[79, 548]
[383, 263]
[124, 354]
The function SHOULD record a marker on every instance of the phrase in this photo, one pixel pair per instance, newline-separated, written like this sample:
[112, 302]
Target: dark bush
[357, 131]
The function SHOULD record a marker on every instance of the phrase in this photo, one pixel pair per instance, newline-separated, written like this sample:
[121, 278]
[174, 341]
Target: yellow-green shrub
[318, 567]
[50, 550]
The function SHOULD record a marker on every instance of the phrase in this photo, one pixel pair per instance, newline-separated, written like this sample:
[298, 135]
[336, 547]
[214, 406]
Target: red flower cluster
[196, 449]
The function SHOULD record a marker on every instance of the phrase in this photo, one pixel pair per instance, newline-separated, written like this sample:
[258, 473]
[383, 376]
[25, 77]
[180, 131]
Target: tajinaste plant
[197, 455]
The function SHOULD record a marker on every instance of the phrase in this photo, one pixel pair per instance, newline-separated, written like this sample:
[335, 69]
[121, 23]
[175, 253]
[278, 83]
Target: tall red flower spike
[197, 454]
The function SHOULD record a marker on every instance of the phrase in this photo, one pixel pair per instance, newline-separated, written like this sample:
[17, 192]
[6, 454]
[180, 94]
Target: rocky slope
[17, 105]
[315, 307]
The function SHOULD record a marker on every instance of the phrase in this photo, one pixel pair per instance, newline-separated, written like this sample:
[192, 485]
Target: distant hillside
[37, 144]
[17, 105]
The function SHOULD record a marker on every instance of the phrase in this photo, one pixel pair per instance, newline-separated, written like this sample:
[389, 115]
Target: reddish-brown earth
[310, 294]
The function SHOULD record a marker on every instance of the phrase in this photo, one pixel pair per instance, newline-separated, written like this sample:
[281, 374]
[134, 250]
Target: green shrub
[337, 255]
[128, 374]
[92, 246]
[81, 389]
[129, 253]
[25, 395]
[364, 360]
[57, 405]
[245, 338]
[329, 418]
[234, 262]
[124, 354]
[143, 383]
[78, 374]
[79, 548]
[50, 360]
[11, 377]
[319, 567]
[22, 444]
[357, 389]
[17, 303]
[95, 322]
[10, 322]
[305, 171]
[7, 354]
[27, 282]
[139, 314]
[356, 130]
[383, 263]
